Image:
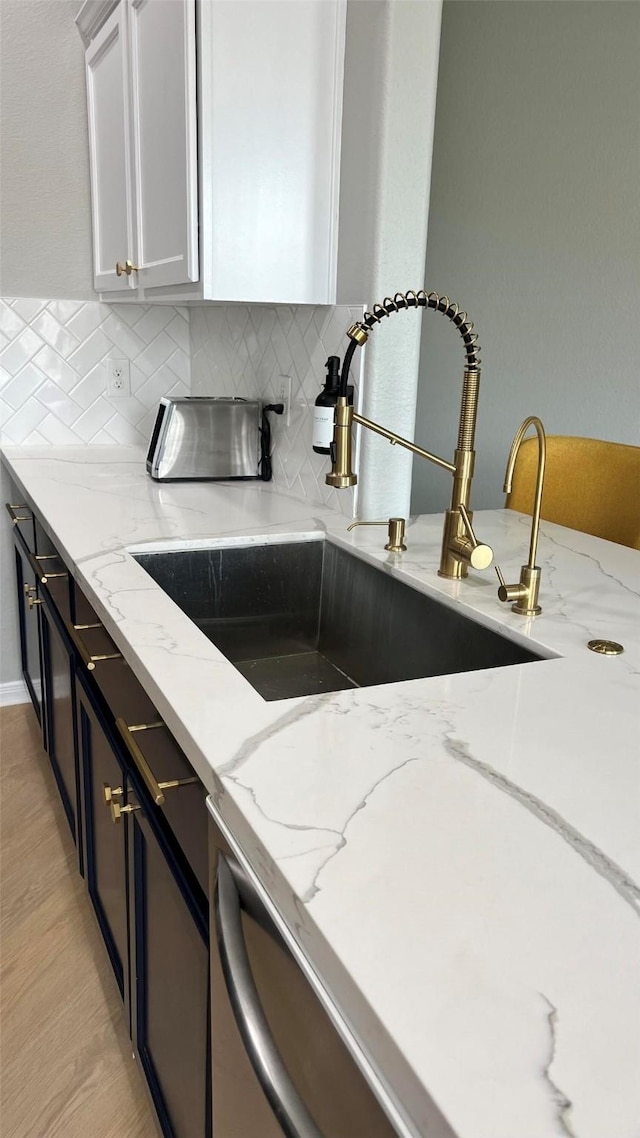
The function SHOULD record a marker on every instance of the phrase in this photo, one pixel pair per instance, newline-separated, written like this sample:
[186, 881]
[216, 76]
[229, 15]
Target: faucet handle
[525, 593]
[395, 544]
[478, 555]
[507, 592]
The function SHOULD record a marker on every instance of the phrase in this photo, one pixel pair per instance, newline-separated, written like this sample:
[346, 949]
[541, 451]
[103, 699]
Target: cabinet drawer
[154, 753]
[23, 522]
[52, 572]
[158, 759]
[28, 626]
[53, 577]
[83, 612]
[169, 980]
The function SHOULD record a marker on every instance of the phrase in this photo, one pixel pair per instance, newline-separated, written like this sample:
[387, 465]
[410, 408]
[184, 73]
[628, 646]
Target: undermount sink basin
[306, 617]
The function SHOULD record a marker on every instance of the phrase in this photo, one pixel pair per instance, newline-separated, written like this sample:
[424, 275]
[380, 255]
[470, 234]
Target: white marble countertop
[457, 855]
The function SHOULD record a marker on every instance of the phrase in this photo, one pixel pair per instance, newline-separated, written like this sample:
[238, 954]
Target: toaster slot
[152, 453]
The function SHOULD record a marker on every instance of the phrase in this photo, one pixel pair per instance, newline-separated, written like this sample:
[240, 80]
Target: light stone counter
[458, 857]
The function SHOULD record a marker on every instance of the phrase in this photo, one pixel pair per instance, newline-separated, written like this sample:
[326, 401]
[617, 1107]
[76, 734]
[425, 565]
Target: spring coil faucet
[460, 547]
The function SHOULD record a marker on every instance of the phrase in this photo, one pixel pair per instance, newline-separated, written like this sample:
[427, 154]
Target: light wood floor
[67, 1069]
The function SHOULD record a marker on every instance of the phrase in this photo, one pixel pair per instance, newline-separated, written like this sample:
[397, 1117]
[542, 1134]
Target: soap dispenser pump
[325, 405]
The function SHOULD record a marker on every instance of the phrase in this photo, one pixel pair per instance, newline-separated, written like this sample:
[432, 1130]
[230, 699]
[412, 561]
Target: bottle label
[323, 426]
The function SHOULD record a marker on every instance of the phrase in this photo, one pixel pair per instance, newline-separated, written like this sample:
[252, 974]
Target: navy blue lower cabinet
[169, 977]
[28, 626]
[59, 703]
[102, 781]
[144, 867]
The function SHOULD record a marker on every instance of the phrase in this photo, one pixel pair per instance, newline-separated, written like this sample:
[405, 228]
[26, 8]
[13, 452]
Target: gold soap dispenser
[395, 533]
[525, 593]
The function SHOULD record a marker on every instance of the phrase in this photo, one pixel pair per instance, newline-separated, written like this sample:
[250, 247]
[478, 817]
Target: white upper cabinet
[270, 109]
[251, 142]
[110, 152]
[141, 96]
[165, 140]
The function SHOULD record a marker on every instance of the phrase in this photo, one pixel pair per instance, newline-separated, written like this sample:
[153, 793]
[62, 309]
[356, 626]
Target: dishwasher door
[279, 1065]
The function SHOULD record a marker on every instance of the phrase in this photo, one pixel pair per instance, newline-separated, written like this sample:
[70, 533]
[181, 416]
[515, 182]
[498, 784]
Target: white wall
[45, 228]
[534, 228]
[390, 97]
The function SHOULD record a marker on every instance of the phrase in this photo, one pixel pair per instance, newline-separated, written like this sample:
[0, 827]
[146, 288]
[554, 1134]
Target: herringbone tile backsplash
[245, 350]
[53, 375]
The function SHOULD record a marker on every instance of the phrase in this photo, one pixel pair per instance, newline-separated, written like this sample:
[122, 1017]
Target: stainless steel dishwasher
[279, 1065]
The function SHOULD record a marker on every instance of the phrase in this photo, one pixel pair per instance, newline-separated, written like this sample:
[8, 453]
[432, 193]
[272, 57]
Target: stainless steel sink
[306, 617]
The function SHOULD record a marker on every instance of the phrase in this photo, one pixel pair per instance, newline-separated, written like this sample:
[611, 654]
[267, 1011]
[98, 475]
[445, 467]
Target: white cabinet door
[271, 108]
[163, 105]
[110, 154]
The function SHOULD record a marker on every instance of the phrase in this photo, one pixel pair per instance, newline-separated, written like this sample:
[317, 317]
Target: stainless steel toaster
[202, 438]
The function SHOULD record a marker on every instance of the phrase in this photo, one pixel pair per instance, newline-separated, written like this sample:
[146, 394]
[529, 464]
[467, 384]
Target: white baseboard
[13, 692]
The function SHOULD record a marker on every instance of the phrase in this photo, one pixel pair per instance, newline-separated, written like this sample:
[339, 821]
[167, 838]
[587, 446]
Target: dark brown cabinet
[143, 856]
[47, 659]
[29, 630]
[59, 704]
[102, 777]
[150, 906]
[169, 979]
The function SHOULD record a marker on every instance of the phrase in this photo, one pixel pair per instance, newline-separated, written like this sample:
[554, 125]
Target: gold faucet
[395, 534]
[525, 593]
[460, 547]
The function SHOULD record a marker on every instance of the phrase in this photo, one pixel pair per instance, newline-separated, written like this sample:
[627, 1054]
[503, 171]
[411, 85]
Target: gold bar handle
[85, 655]
[93, 660]
[155, 788]
[42, 574]
[117, 811]
[15, 518]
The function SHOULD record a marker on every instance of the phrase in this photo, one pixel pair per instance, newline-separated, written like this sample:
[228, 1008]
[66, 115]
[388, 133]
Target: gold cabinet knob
[31, 601]
[127, 268]
[117, 811]
[111, 792]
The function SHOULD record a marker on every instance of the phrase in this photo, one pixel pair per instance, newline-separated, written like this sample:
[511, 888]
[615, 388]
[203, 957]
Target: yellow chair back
[589, 485]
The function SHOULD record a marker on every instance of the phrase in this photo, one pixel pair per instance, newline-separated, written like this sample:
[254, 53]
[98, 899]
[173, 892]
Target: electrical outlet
[283, 390]
[118, 379]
